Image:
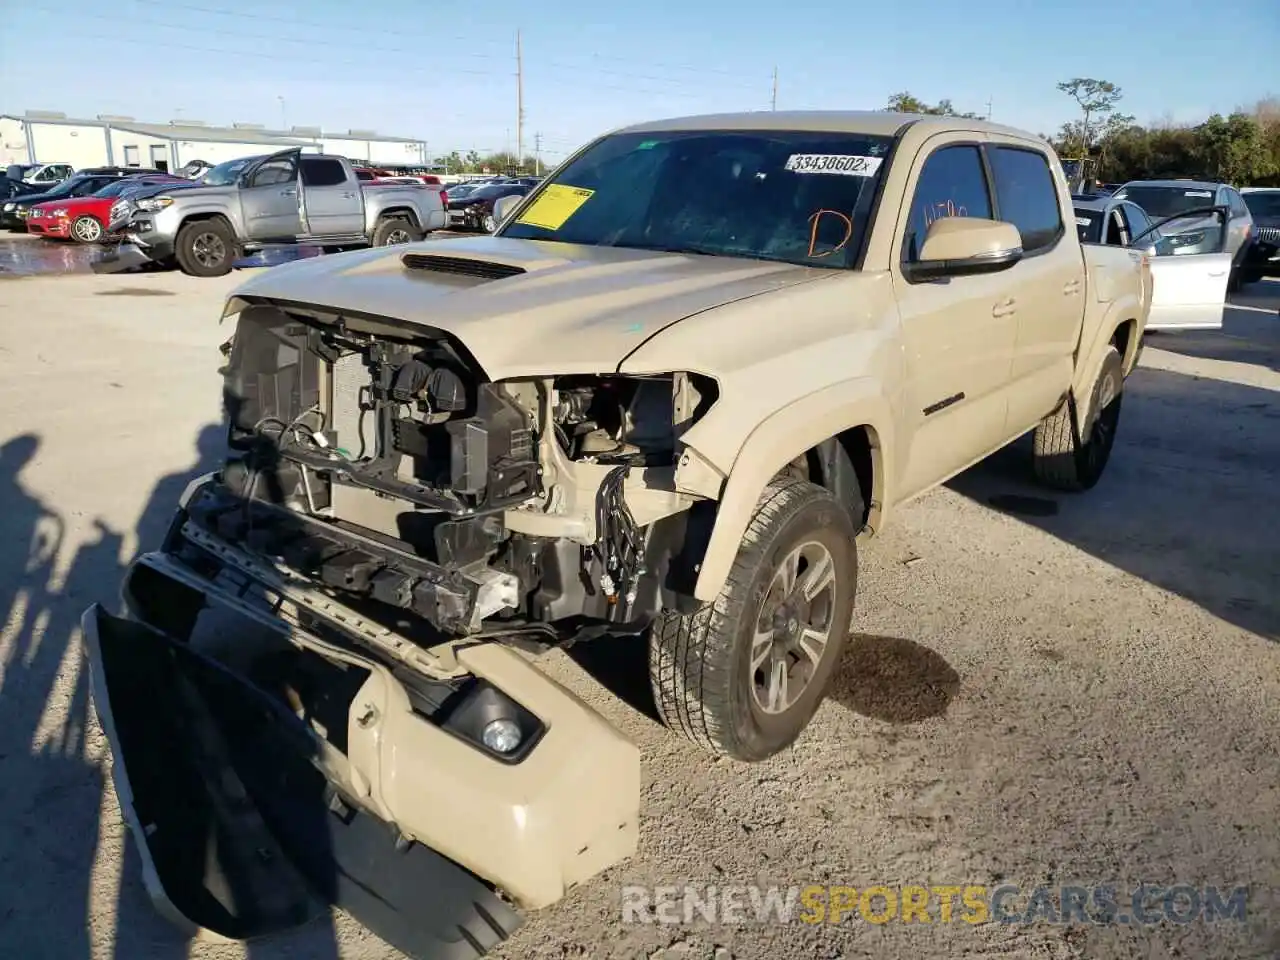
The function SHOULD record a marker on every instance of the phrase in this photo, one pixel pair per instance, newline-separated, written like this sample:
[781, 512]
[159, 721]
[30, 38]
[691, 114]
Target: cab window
[273, 172]
[952, 183]
[1027, 196]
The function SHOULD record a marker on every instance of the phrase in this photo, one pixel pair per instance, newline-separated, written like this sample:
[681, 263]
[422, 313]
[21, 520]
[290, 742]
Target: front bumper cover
[126, 255]
[248, 822]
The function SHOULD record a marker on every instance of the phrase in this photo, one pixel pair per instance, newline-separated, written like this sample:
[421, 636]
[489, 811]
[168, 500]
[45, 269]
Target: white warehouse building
[43, 136]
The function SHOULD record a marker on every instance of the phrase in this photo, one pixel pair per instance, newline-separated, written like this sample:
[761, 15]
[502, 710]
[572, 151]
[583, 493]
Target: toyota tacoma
[668, 398]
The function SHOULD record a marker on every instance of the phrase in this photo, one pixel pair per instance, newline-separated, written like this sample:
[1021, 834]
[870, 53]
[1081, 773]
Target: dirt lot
[1042, 689]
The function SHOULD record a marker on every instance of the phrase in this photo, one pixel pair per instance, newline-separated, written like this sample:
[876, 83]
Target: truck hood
[526, 307]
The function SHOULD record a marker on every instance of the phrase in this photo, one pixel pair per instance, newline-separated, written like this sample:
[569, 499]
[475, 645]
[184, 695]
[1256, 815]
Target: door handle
[1071, 288]
[290, 192]
[1003, 308]
[1217, 273]
[348, 196]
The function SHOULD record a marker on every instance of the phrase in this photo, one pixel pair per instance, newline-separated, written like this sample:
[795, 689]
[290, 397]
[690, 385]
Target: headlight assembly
[154, 204]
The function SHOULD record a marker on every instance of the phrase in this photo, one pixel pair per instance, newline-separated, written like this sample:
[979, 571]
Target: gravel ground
[1042, 689]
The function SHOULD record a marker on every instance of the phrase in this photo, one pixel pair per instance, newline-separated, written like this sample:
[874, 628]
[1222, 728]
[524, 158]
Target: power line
[402, 34]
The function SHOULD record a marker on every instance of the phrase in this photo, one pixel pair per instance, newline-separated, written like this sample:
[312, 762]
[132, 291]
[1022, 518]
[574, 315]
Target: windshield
[1167, 201]
[224, 174]
[1263, 204]
[1089, 225]
[797, 196]
[115, 189]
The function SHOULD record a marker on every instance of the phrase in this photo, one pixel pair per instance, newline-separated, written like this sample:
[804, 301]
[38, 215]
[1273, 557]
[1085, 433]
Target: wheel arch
[839, 436]
[1121, 326]
[397, 213]
[203, 215]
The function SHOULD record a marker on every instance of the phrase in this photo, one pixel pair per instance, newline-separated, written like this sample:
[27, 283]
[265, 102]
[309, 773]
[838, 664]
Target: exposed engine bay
[376, 460]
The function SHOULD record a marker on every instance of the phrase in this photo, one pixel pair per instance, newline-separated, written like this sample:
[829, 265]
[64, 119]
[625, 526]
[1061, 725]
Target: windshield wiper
[660, 248]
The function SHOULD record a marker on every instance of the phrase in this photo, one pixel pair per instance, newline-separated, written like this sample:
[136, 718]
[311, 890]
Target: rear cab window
[1027, 196]
[322, 172]
[1088, 225]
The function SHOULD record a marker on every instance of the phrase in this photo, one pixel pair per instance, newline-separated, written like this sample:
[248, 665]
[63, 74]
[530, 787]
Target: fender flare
[775, 442]
[1117, 315]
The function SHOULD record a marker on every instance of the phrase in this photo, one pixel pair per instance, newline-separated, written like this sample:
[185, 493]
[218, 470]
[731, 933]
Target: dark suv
[1263, 256]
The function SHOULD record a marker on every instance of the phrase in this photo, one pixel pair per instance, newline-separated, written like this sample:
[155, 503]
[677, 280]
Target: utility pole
[988, 108]
[519, 104]
[537, 154]
[774, 102]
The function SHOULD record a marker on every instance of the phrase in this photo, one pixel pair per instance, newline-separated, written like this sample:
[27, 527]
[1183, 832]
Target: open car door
[1189, 269]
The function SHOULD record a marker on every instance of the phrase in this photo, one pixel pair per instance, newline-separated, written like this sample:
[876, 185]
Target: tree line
[1241, 148]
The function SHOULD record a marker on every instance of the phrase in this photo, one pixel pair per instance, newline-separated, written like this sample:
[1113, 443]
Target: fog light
[501, 736]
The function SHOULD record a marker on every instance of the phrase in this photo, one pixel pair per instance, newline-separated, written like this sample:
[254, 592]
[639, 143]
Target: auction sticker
[1198, 193]
[847, 165]
[556, 204]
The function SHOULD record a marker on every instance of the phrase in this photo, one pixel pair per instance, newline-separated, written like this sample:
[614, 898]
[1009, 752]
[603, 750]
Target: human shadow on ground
[53, 758]
[1187, 502]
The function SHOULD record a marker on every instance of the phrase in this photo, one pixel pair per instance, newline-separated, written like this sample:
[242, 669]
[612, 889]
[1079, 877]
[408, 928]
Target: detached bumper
[126, 255]
[249, 821]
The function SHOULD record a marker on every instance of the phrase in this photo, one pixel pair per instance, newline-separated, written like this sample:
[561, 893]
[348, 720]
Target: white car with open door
[1190, 259]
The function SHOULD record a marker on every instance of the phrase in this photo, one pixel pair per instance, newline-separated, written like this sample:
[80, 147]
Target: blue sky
[446, 73]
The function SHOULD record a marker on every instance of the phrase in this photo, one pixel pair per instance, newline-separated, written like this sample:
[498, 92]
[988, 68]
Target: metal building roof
[198, 131]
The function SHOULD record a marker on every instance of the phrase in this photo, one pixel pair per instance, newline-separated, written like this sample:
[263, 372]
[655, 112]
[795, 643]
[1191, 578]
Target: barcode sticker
[846, 165]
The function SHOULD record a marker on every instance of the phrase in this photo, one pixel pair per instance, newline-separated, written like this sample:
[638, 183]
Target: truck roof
[874, 122]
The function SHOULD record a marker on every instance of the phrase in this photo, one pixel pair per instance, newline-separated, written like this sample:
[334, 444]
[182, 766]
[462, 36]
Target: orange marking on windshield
[815, 219]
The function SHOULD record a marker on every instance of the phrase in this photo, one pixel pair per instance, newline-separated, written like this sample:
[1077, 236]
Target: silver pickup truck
[281, 198]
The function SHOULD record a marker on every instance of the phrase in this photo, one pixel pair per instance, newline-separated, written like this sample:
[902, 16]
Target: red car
[84, 219]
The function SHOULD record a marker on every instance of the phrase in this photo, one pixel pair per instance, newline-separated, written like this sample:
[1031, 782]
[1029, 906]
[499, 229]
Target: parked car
[474, 210]
[1189, 283]
[47, 174]
[285, 198]
[127, 203]
[123, 171]
[665, 399]
[1166, 198]
[13, 212]
[85, 219]
[15, 188]
[1262, 259]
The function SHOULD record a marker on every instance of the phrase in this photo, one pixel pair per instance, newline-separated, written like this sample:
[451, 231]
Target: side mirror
[964, 246]
[503, 207]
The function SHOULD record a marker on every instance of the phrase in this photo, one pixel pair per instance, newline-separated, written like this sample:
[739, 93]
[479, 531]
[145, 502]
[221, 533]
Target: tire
[488, 224]
[700, 664]
[390, 230]
[86, 229]
[1059, 461]
[205, 248]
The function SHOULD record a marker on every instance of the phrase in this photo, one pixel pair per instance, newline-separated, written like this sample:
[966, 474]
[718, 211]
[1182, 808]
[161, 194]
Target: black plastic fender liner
[239, 832]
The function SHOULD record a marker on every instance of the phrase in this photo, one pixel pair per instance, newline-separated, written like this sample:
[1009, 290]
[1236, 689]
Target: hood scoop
[463, 266]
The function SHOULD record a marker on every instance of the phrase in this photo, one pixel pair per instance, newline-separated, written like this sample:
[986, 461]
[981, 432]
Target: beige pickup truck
[667, 398]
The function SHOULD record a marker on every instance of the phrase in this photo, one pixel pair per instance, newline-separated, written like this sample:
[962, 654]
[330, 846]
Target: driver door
[269, 198]
[1189, 289]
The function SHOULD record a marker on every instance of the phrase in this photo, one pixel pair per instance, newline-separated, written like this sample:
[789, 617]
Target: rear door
[269, 198]
[332, 203]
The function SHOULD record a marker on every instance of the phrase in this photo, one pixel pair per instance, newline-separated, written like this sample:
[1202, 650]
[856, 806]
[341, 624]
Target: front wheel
[1060, 460]
[86, 229]
[205, 248]
[743, 676]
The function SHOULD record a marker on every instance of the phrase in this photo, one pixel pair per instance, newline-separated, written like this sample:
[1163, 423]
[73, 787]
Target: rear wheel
[1063, 462]
[205, 248]
[86, 229]
[743, 676]
[393, 231]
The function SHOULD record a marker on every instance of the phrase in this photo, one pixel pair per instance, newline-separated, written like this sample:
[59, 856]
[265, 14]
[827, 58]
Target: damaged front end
[313, 697]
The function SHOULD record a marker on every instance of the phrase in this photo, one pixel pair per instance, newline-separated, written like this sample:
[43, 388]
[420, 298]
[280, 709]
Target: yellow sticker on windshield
[556, 204]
